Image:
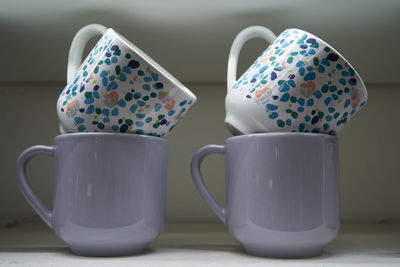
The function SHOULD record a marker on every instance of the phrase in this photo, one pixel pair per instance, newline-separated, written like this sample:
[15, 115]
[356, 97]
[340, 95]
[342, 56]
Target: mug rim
[103, 134]
[284, 134]
[154, 64]
[339, 54]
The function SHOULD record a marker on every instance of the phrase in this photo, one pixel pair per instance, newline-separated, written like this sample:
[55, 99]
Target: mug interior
[154, 64]
[336, 52]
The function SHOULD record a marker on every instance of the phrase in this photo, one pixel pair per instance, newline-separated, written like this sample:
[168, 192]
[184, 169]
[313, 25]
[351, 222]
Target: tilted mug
[118, 88]
[298, 84]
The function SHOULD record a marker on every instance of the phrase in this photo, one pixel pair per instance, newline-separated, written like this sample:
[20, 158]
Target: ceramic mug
[298, 84]
[118, 88]
[282, 192]
[109, 192]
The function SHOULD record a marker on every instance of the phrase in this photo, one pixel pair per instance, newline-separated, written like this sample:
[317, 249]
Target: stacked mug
[282, 168]
[110, 159]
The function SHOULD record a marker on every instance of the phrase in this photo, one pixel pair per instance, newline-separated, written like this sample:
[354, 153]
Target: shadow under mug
[109, 193]
[282, 192]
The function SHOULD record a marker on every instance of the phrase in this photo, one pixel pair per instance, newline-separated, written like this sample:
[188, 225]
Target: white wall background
[192, 39]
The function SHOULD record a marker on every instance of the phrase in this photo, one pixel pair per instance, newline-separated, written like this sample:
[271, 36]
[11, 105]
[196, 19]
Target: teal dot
[281, 123]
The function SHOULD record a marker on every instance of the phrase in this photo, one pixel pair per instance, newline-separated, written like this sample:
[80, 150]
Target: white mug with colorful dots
[298, 84]
[118, 88]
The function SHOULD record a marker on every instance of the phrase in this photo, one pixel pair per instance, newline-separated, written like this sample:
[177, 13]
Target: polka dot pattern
[115, 90]
[303, 85]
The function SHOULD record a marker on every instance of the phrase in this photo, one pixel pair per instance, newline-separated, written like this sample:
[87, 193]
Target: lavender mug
[282, 192]
[109, 192]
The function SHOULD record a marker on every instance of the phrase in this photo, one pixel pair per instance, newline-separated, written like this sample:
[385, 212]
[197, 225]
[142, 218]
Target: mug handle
[198, 179]
[23, 184]
[240, 40]
[78, 45]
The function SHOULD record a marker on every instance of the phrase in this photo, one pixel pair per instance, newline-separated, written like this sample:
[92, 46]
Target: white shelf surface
[34, 244]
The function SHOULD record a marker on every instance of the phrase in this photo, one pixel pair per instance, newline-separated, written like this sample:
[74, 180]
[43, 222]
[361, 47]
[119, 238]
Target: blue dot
[106, 120]
[140, 116]
[328, 118]
[272, 107]
[104, 73]
[90, 109]
[310, 76]
[288, 122]
[310, 102]
[106, 112]
[300, 109]
[79, 120]
[115, 128]
[284, 88]
[121, 103]
[112, 86]
[157, 107]
[318, 94]
[146, 87]
[141, 103]
[127, 70]
[325, 62]
[96, 94]
[273, 115]
[347, 103]
[291, 83]
[301, 101]
[284, 97]
[331, 110]
[114, 59]
[89, 100]
[154, 76]
[171, 112]
[139, 123]
[115, 112]
[307, 118]
[81, 128]
[133, 108]
[301, 127]
[327, 100]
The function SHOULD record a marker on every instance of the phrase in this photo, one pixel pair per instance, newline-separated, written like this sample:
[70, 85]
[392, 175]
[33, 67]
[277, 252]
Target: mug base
[107, 251]
[283, 253]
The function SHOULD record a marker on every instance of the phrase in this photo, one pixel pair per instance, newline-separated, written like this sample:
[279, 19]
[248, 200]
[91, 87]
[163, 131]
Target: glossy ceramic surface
[118, 88]
[298, 84]
[109, 196]
[282, 192]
